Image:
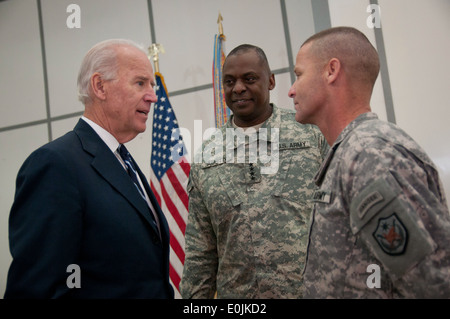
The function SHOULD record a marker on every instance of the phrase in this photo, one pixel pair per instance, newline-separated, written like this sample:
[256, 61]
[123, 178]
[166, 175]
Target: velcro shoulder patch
[389, 226]
[370, 201]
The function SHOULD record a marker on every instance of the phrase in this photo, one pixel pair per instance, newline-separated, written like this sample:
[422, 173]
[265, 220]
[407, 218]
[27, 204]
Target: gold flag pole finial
[153, 53]
[219, 22]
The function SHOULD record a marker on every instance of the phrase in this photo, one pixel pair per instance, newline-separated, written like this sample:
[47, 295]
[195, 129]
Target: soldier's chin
[300, 118]
[303, 118]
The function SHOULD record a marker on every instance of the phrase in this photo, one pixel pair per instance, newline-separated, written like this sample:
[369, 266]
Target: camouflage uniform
[246, 233]
[380, 203]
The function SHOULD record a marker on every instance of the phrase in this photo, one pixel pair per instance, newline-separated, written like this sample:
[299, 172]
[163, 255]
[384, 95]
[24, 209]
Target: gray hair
[101, 58]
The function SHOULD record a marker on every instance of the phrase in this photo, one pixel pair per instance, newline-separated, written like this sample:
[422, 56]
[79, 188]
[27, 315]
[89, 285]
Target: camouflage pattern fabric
[380, 203]
[247, 230]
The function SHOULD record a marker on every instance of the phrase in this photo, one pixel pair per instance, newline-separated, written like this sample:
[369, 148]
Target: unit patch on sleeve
[389, 226]
[391, 235]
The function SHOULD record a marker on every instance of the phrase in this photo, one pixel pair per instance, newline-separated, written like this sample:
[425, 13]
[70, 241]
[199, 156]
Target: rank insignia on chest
[391, 235]
[252, 174]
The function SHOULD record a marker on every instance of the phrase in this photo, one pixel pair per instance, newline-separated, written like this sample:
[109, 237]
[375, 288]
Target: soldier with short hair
[249, 199]
[380, 204]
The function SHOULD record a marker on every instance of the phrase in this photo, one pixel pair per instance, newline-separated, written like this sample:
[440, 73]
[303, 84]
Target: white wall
[416, 41]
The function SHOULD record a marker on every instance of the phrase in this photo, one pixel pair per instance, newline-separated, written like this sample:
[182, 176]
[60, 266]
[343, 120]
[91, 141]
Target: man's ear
[332, 70]
[97, 86]
[271, 81]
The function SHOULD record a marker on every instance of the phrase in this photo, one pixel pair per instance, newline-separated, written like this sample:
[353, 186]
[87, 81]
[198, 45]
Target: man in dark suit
[84, 222]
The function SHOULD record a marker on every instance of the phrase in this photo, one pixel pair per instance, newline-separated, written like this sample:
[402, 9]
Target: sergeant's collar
[353, 124]
[318, 179]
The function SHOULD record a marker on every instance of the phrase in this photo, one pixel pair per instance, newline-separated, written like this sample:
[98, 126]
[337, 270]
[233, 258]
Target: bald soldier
[380, 226]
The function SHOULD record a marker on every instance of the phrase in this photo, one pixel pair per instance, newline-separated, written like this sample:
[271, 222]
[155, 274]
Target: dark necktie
[130, 167]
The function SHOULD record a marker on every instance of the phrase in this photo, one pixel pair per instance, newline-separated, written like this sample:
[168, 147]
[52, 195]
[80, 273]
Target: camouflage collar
[273, 121]
[355, 123]
[318, 179]
[220, 136]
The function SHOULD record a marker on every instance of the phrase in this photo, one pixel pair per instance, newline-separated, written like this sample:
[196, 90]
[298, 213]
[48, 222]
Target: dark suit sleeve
[44, 226]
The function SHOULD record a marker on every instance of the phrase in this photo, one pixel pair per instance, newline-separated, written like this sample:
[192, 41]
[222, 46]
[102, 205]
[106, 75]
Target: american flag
[169, 177]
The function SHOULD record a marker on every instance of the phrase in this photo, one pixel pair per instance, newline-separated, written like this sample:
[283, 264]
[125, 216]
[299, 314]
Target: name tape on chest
[322, 196]
[290, 145]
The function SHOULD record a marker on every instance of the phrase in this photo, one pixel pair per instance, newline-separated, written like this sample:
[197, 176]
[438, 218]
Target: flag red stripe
[173, 209]
[185, 166]
[155, 192]
[178, 187]
[177, 247]
[174, 277]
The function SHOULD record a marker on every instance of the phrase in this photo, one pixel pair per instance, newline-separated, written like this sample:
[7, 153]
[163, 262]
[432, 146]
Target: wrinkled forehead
[133, 60]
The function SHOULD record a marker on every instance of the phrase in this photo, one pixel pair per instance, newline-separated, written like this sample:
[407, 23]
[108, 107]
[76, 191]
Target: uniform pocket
[296, 174]
[220, 194]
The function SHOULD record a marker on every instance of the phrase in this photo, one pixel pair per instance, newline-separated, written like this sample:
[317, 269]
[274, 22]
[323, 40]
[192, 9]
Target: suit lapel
[162, 220]
[107, 165]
